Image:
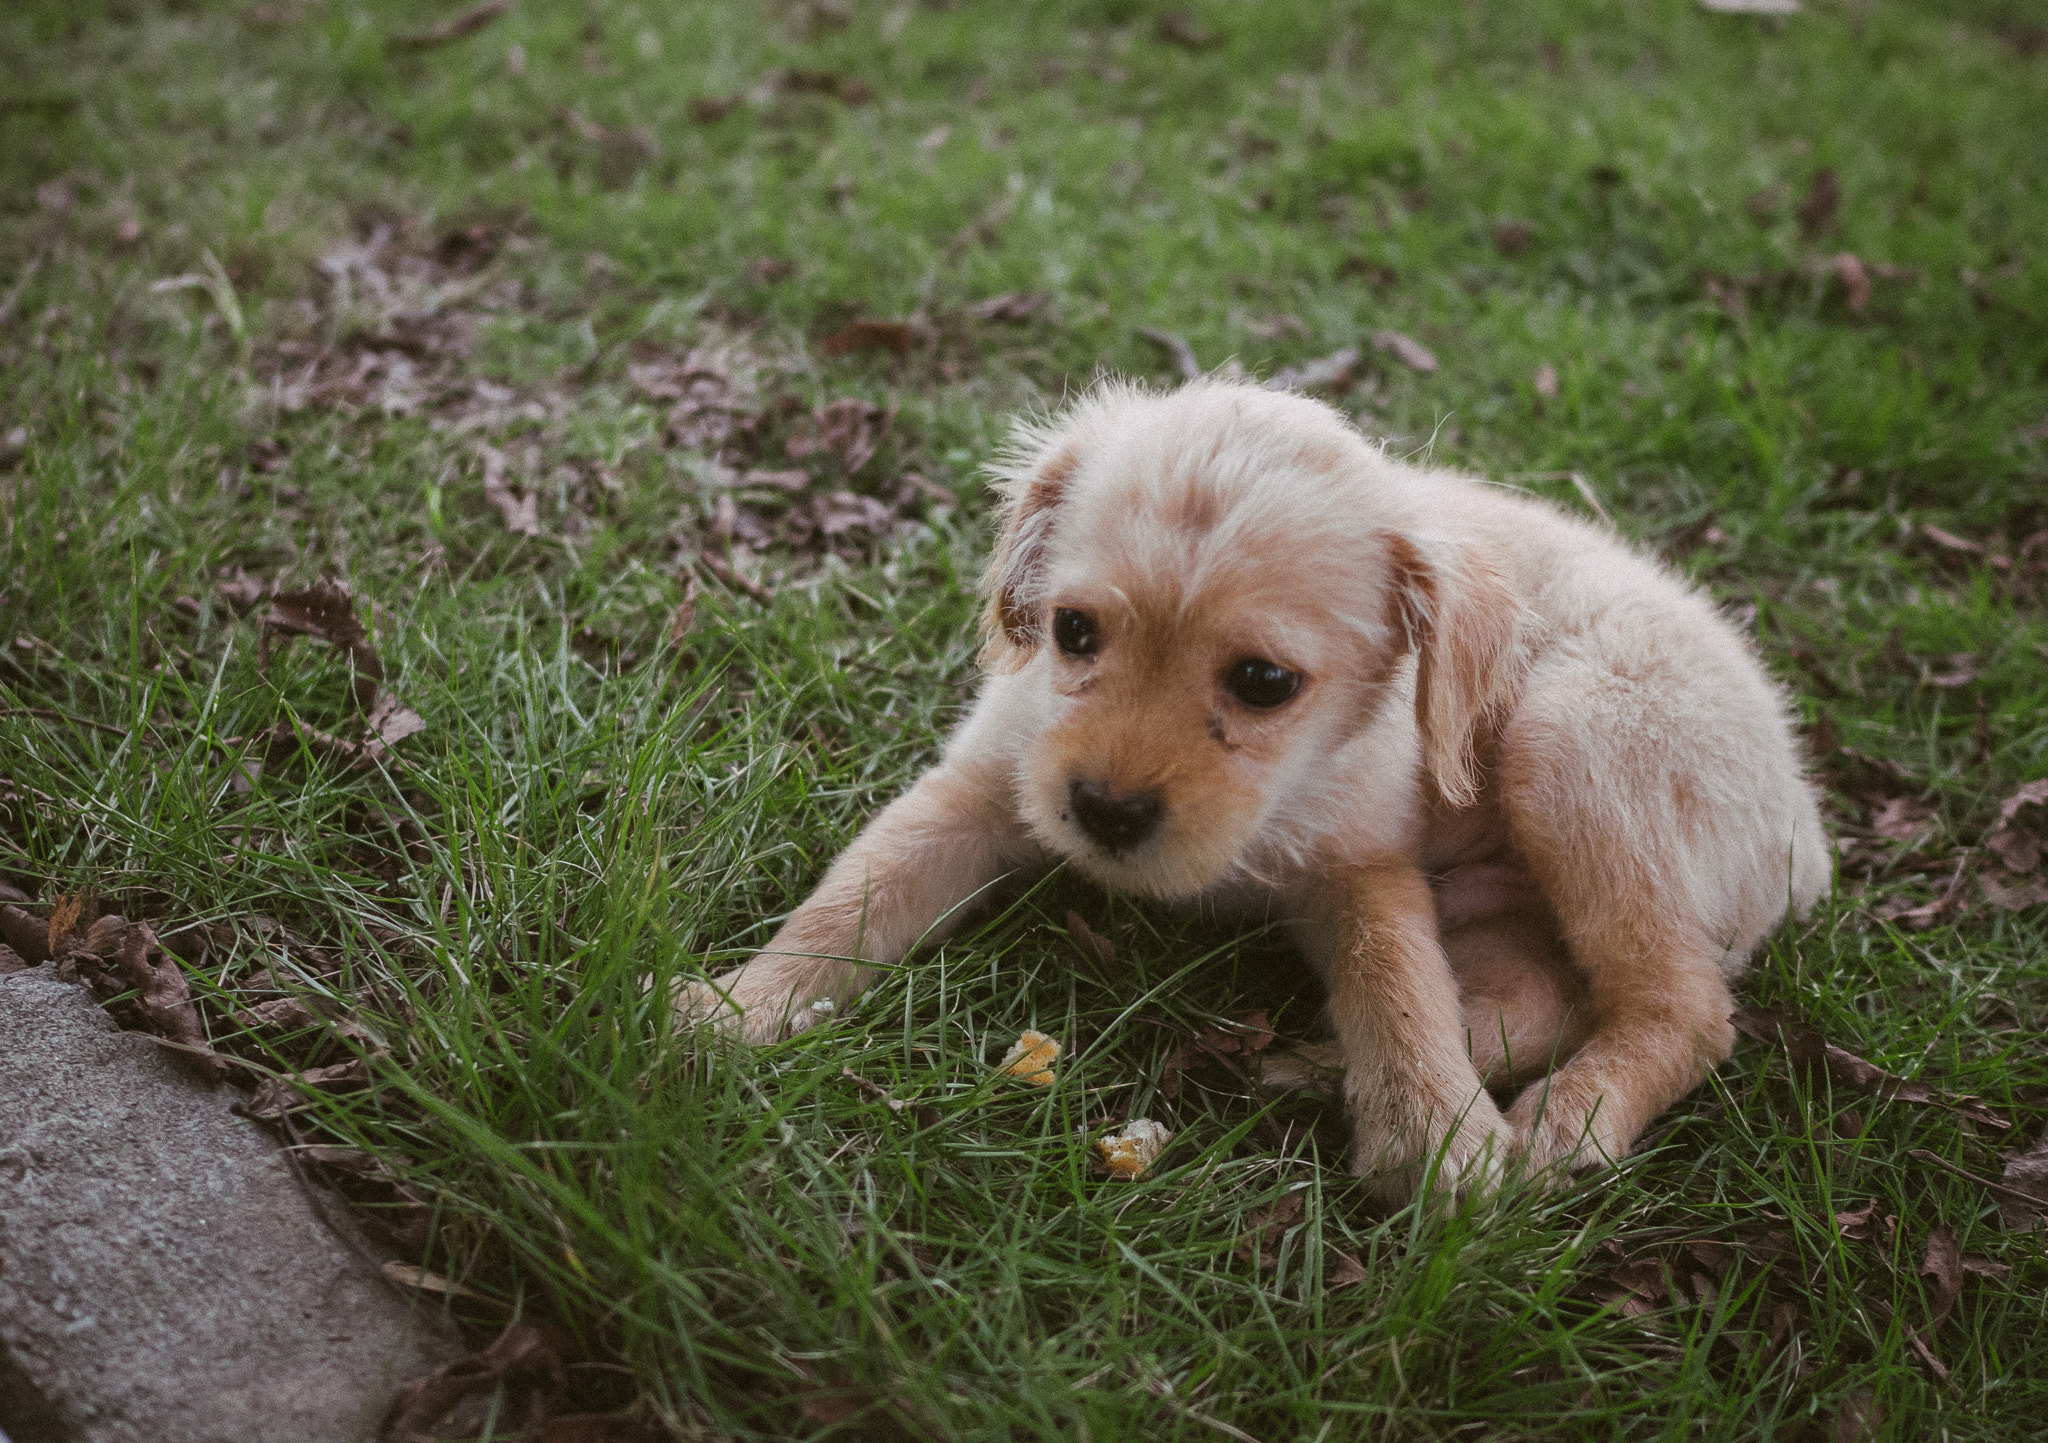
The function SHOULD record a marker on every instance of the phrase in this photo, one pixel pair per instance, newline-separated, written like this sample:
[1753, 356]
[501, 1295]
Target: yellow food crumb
[1131, 1153]
[1032, 1058]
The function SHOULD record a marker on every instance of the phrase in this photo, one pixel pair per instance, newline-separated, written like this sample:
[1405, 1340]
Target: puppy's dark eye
[1074, 631]
[1260, 684]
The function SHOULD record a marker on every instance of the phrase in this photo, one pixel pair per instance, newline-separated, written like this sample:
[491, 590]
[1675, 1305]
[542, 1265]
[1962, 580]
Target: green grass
[752, 1246]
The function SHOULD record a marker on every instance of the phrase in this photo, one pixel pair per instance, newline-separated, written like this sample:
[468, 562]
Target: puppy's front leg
[904, 877]
[1411, 1088]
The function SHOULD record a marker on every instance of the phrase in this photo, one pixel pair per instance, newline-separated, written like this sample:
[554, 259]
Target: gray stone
[163, 1277]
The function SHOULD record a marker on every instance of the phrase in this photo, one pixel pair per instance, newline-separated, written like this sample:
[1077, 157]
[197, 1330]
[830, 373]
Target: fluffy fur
[1530, 809]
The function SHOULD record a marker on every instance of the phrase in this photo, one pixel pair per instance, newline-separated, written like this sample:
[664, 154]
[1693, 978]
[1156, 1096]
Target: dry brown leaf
[850, 429]
[1031, 1057]
[894, 336]
[409, 1275]
[1511, 237]
[2023, 1202]
[683, 619]
[1902, 818]
[1546, 381]
[456, 27]
[1266, 1227]
[710, 109]
[1862, 1417]
[326, 612]
[1242, 1034]
[1961, 669]
[1405, 349]
[1942, 1262]
[1867, 1225]
[1180, 27]
[521, 1352]
[1949, 541]
[2017, 896]
[165, 1003]
[2021, 837]
[1095, 949]
[1814, 1054]
[519, 510]
[64, 919]
[391, 721]
[1636, 1284]
[1013, 307]
[1816, 210]
[1326, 373]
[239, 591]
[1131, 1152]
[1855, 280]
[1341, 1270]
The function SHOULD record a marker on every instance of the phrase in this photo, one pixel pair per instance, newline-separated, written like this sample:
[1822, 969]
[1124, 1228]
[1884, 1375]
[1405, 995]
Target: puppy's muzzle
[1116, 821]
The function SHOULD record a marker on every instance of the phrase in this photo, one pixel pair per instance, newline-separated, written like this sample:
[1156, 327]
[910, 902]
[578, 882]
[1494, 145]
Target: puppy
[1526, 800]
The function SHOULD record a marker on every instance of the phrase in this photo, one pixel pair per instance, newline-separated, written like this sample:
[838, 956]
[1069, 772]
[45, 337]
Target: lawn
[629, 368]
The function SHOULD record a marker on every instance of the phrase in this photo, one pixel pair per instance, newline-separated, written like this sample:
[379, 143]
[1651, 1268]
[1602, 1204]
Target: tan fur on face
[1530, 808]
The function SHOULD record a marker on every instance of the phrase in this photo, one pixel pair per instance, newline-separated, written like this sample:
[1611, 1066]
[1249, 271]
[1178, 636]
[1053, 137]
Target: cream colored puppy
[1527, 801]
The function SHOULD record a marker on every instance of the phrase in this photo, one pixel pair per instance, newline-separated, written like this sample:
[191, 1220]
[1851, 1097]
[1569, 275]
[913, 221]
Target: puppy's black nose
[1115, 820]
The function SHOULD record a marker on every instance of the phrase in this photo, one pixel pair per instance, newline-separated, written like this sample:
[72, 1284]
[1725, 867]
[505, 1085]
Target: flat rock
[163, 1276]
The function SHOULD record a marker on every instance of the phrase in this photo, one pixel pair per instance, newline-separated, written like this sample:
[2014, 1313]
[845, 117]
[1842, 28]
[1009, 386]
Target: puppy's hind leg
[1650, 835]
[906, 876]
[1525, 1007]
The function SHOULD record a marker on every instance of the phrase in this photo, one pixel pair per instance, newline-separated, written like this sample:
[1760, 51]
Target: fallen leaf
[239, 591]
[1512, 237]
[1813, 1053]
[847, 428]
[64, 920]
[1243, 1034]
[725, 571]
[710, 109]
[1902, 818]
[1326, 373]
[1304, 1067]
[2018, 897]
[1266, 1227]
[1180, 27]
[1961, 670]
[683, 619]
[1949, 541]
[1095, 949]
[767, 270]
[456, 27]
[408, 1275]
[165, 1004]
[1012, 307]
[2026, 1174]
[1862, 1416]
[521, 1352]
[391, 721]
[520, 511]
[1546, 381]
[1341, 1270]
[1131, 1152]
[1405, 349]
[1177, 348]
[1855, 280]
[2021, 838]
[1867, 1225]
[1816, 210]
[326, 612]
[276, 1096]
[1031, 1057]
[894, 336]
[1637, 1285]
[1377, 274]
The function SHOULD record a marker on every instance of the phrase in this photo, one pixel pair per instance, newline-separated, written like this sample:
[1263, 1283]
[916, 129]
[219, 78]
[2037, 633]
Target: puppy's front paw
[1457, 1148]
[764, 1001]
[1558, 1128]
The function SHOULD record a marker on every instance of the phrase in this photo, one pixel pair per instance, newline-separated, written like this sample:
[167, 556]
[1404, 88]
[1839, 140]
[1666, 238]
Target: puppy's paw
[1558, 1130]
[1456, 1151]
[755, 1004]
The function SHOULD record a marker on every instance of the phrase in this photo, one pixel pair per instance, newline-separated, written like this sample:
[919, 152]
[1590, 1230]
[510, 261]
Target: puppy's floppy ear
[1465, 627]
[1010, 625]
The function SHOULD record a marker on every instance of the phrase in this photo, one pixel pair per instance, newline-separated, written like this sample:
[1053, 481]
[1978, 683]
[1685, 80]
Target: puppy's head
[1218, 590]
